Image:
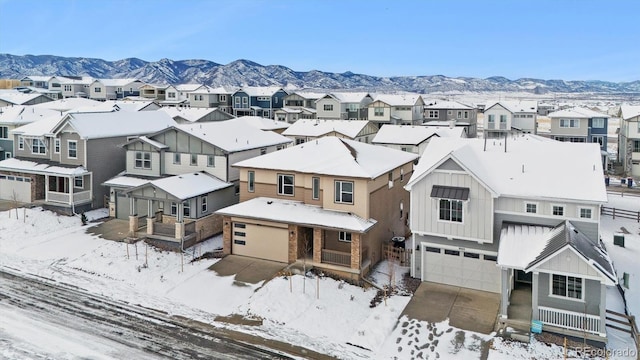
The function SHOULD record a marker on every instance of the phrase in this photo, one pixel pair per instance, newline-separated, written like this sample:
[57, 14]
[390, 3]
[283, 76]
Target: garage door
[460, 268]
[260, 241]
[16, 188]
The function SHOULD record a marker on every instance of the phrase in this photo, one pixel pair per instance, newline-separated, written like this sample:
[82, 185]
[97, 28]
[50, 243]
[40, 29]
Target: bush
[83, 218]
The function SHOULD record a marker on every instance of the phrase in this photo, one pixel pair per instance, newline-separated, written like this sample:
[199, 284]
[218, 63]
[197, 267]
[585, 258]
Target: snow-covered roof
[521, 244]
[232, 136]
[118, 123]
[125, 181]
[83, 80]
[629, 111]
[40, 127]
[333, 156]
[310, 94]
[186, 186]
[262, 123]
[398, 99]
[188, 87]
[531, 166]
[297, 212]
[23, 114]
[190, 114]
[445, 123]
[211, 90]
[577, 112]
[130, 105]
[349, 97]
[513, 106]
[412, 135]
[317, 127]
[19, 98]
[453, 105]
[144, 139]
[69, 104]
[289, 110]
[260, 90]
[116, 82]
[44, 78]
[33, 167]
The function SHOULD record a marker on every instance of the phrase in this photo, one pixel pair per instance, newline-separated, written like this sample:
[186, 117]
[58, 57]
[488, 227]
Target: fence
[624, 323]
[399, 254]
[621, 213]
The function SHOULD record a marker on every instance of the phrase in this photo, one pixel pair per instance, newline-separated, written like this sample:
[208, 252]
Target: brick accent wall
[37, 187]
[355, 251]
[208, 226]
[317, 245]
[293, 242]
[226, 235]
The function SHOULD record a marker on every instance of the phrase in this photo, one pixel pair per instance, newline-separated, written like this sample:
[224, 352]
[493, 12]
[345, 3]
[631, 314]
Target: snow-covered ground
[330, 316]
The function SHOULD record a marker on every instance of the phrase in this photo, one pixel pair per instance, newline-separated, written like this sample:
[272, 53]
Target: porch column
[603, 309]
[226, 235]
[133, 209]
[317, 245]
[356, 250]
[150, 225]
[534, 296]
[72, 183]
[504, 303]
[179, 234]
[149, 208]
[293, 243]
[46, 188]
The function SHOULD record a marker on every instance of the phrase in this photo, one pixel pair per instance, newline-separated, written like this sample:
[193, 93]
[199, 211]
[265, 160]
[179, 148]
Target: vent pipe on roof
[523, 168]
[505, 142]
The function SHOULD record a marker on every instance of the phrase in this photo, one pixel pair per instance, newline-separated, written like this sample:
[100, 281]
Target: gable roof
[69, 104]
[191, 114]
[117, 82]
[261, 90]
[577, 112]
[19, 98]
[453, 105]
[206, 89]
[318, 127]
[186, 186]
[24, 114]
[514, 106]
[629, 111]
[146, 140]
[117, 123]
[309, 95]
[262, 123]
[398, 99]
[412, 135]
[350, 97]
[532, 166]
[333, 156]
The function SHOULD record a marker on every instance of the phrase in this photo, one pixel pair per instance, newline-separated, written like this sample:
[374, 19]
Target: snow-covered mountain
[245, 72]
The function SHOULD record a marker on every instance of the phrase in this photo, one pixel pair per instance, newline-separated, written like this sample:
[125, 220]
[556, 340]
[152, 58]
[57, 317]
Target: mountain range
[245, 72]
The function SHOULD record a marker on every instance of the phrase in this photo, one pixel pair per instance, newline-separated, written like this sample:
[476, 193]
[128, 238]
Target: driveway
[466, 309]
[112, 229]
[246, 269]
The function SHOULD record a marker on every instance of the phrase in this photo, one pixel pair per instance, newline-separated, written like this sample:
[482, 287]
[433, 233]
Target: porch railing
[569, 319]
[81, 196]
[64, 198]
[336, 257]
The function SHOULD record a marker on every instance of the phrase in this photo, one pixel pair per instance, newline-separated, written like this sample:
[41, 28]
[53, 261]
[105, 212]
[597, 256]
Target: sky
[545, 39]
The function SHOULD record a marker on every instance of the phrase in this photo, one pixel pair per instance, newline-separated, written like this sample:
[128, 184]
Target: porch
[70, 190]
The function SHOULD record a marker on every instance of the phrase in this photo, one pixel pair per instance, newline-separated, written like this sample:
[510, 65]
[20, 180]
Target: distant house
[72, 86]
[307, 130]
[292, 115]
[510, 116]
[343, 106]
[12, 117]
[112, 89]
[190, 115]
[489, 217]
[39, 81]
[209, 97]
[333, 201]
[413, 138]
[12, 97]
[298, 105]
[176, 96]
[442, 113]
[629, 139]
[405, 109]
[264, 123]
[154, 91]
[258, 101]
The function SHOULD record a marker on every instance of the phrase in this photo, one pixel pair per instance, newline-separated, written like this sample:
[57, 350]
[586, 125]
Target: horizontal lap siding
[591, 290]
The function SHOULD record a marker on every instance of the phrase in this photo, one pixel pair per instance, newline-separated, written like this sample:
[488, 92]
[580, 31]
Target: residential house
[343, 106]
[292, 115]
[504, 219]
[404, 109]
[264, 123]
[12, 117]
[60, 163]
[53, 94]
[629, 139]
[299, 105]
[258, 101]
[209, 97]
[154, 91]
[190, 115]
[581, 125]
[13, 97]
[413, 138]
[333, 203]
[307, 130]
[72, 86]
[67, 104]
[39, 81]
[112, 89]
[178, 95]
[545, 108]
[442, 113]
[510, 116]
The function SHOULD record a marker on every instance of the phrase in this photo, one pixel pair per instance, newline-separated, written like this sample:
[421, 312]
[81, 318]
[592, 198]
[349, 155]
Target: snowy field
[336, 320]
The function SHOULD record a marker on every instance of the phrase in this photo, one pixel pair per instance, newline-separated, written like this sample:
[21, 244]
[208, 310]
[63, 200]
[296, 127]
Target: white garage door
[460, 268]
[15, 188]
[260, 241]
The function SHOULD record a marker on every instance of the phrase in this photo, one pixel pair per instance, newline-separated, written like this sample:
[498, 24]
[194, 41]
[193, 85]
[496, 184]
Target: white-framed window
[72, 149]
[466, 114]
[503, 119]
[97, 89]
[401, 209]
[459, 114]
[68, 88]
[557, 210]
[569, 123]
[194, 159]
[378, 111]
[37, 147]
[531, 208]
[315, 188]
[4, 132]
[171, 95]
[211, 161]
[203, 204]
[245, 100]
[635, 146]
[78, 182]
[56, 146]
[263, 151]
[585, 213]
[433, 114]
[186, 209]
[567, 286]
[286, 184]
[491, 118]
[328, 107]
[20, 143]
[264, 98]
[176, 158]
[7, 155]
[143, 160]
[251, 181]
[401, 174]
[174, 208]
[598, 139]
[344, 236]
[344, 192]
[222, 98]
[597, 123]
[450, 210]
[237, 99]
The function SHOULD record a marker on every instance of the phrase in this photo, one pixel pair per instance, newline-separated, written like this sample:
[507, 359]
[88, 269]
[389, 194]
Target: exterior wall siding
[105, 159]
[131, 160]
[65, 137]
[321, 113]
[590, 305]
[568, 262]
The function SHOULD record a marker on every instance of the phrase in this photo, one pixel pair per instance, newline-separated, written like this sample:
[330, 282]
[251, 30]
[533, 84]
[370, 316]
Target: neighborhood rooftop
[577, 112]
[317, 127]
[186, 186]
[118, 123]
[244, 136]
[412, 135]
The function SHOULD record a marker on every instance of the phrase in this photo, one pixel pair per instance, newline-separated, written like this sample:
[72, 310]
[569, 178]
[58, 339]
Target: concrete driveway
[466, 309]
[111, 229]
[246, 269]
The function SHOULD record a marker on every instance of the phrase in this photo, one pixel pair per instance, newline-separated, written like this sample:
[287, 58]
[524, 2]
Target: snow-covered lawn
[330, 316]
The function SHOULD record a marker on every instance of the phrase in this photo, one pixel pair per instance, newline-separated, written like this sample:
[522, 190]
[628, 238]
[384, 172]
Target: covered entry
[264, 240]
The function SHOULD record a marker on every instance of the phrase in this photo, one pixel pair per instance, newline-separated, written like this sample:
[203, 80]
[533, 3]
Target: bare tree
[14, 200]
[307, 246]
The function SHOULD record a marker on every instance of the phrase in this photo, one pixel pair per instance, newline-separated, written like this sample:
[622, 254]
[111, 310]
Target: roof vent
[269, 202]
[196, 174]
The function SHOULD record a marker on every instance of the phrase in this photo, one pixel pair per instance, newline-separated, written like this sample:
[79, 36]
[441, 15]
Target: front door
[523, 277]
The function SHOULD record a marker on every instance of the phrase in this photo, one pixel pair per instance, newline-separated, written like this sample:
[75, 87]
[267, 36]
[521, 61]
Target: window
[491, 258]
[531, 208]
[245, 100]
[211, 161]
[390, 175]
[97, 89]
[222, 98]
[567, 286]
[251, 181]
[186, 209]
[56, 146]
[432, 249]
[466, 114]
[585, 213]
[492, 118]
[237, 100]
[67, 88]
[344, 192]
[174, 209]
[239, 225]
[176, 158]
[194, 160]
[78, 182]
[239, 233]
[300, 141]
[285, 184]
[401, 174]
[451, 252]
[263, 151]
[328, 107]
[171, 95]
[597, 123]
[450, 210]
[37, 147]
[72, 149]
[636, 146]
[433, 114]
[7, 155]
[378, 111]
[569, 123]
[143, 160]
[503, 119]
[459, 114]
[557, 210]
[315, 188]
[471, 255]
[344, 236]
[4, 132]
[401, 209]
[20, 143]
[598, 139]
[203, 204]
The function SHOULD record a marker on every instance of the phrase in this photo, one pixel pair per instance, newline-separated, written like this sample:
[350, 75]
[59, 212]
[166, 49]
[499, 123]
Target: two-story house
[343, 106]
[112, 89]
[413, 138]
[335, 210]
[39, 81]
[629, 139]
[298, 105]
[154, 91]
[258, 101]
[404, 109]
[581, 125]
[72, 86]
[442, 113]
[12, 117]
[510, 116]
[178, 95]
[503, 218]
[210, 97]
[307, 130]
[190, 115]
[13, 97]
[61, 163]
